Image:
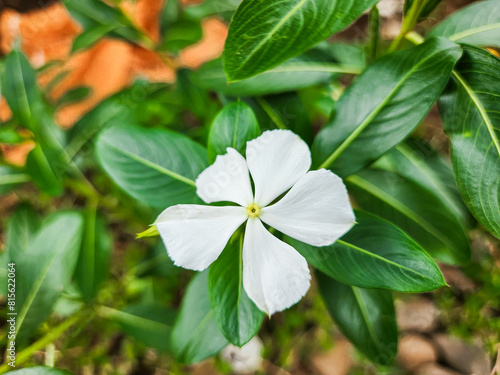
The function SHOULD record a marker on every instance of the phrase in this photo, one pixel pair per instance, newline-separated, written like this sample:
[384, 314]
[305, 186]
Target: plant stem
[53, 335]
[271, 113]
[374, 33]
[414, 37]
[409, 22]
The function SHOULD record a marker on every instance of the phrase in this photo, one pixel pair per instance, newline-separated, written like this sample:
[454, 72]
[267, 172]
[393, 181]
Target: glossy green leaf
[44, 269]
[155, 166]
[195, 335]
[470, 109]
[375, 254]
[40, 370]
[477, 24]
[303, 71]
[150, 324]
[414, 209]
[417, 162]
[237, 316]
[21, 230]
[10, 178]
[95, 255]
[265, 33]
[233, 127]
[365, 316]
[379, 109]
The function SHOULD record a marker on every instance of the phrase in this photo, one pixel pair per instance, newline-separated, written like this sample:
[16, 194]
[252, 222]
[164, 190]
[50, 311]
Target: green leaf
[90, 36]
[108, 113]
[21, 230]
[45, 173]
[414, 209]
[303, 71]
[155, 166]
[93, 264]
[470, 110]
[73, 96]
[10, 178]
[150, 324]
[418, 162]
[47, 162]
[196, 335]
[477, 24]
[221, 8]
[95, 16]
[20, 88]
[265, 33]
[379, 109]
[375, 254]
[237, 316]
[44, 269]
[365, 316]
[233, 127]
[181, 34]
[40, 370]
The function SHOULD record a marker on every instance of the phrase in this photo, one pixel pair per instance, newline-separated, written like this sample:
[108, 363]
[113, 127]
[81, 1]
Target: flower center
[253, 210]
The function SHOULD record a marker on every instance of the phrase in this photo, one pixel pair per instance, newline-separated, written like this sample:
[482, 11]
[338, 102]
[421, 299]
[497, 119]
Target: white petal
[196, 235]
[316, 210]
[226, 180]
[276, 159]
[275, 275]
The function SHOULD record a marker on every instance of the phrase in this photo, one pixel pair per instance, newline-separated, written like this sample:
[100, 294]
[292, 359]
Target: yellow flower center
[253, 210]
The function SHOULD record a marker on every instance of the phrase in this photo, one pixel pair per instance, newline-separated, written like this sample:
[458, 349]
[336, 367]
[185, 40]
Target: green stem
[414, 37]
[374, 33]
[271, 113]
[53, 335]
[409, 22]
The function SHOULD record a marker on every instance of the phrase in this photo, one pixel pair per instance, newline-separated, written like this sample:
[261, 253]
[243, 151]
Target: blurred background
[454, 330]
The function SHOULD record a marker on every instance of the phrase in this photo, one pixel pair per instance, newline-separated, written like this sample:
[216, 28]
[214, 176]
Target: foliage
[86, 191]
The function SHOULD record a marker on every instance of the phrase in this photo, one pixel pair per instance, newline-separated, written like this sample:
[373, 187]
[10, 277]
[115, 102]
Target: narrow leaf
[196, 335]
[379, 109]
[477, 24]
[375, 254]
[418, 162]
[44, 269]
[21, 230]
[365, 316]
[414, 209]
[237, 316]
[95, 255]
[149, 324]
[470, 110]
[265, 33]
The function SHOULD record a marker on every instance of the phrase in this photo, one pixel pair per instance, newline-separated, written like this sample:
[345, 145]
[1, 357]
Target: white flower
[244, 360]
[314, 210]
